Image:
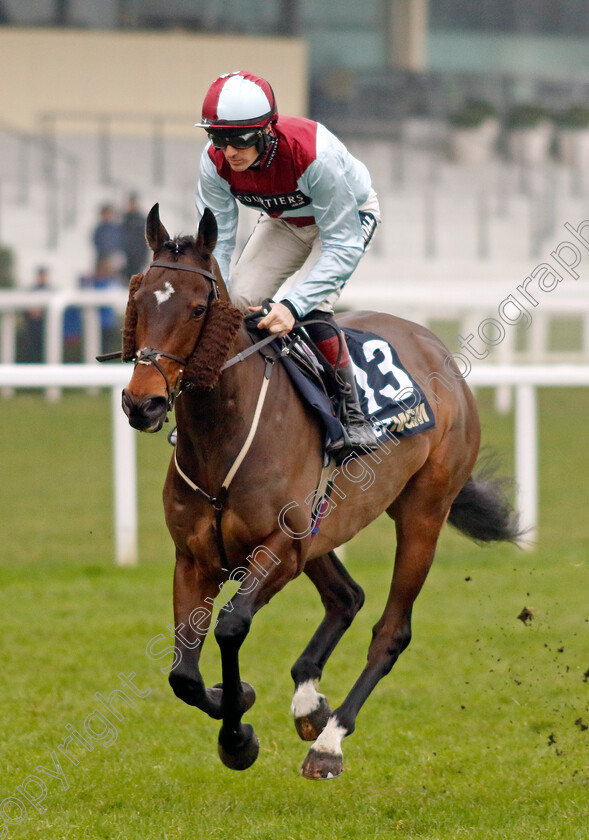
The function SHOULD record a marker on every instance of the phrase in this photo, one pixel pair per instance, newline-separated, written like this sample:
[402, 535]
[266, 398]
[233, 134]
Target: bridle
[182, 267]
[151, 355]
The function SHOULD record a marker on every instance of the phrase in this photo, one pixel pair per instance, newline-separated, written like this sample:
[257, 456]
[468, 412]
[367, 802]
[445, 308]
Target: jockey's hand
[278, 321]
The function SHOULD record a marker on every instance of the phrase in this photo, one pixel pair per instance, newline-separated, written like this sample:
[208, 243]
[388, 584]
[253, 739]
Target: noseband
[150, 355]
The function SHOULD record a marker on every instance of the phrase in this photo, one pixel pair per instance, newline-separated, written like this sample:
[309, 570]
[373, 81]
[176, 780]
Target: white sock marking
[305, 699]
[331, 738]
[166, 294]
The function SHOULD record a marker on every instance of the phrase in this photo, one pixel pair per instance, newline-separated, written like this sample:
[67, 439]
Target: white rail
[424, 300]
[55, 303]
[124, 460]
[524, 378]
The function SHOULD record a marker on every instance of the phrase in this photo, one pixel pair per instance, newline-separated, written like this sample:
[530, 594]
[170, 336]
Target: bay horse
[249, 459]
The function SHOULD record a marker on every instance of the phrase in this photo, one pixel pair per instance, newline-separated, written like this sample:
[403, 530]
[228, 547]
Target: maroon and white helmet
[238, 100]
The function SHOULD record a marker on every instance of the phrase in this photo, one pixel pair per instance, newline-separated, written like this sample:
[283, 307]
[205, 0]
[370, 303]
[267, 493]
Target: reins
[218, 502]
[151, 356]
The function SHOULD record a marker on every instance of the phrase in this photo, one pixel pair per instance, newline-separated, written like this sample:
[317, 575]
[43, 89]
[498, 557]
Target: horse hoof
[319, 765]
[240, 750]
[309, 727]
[249, 695]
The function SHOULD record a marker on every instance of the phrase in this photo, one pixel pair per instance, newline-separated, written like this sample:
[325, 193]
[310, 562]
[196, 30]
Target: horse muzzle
[146, 414]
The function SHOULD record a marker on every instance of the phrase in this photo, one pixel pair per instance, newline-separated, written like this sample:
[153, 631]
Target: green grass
[473, 734]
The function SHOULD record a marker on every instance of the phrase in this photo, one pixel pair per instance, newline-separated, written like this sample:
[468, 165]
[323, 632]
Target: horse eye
[197, 311]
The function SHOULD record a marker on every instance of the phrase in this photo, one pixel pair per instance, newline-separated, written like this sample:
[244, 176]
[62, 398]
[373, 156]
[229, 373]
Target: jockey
[318, 209]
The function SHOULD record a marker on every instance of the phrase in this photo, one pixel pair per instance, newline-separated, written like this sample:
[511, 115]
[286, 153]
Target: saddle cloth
[389, 397]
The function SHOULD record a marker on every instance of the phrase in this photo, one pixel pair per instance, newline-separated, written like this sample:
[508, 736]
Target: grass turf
[478, 731]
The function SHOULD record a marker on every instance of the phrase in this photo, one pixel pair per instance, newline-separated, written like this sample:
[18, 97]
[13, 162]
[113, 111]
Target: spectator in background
[33, 336]
[134, 244]
[105, 278]
[108, 242]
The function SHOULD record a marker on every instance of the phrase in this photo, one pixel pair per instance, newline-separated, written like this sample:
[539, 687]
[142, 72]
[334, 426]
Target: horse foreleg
[417, 533]
[272, 566]
[194, 594]
[342, 597]
[238, 743]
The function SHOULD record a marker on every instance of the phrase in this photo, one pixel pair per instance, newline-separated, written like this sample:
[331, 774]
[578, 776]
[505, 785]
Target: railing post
[158, 152]
[526, 461]
[54, 340]
[51, 181]
[505, 355]
[482, 226]
[8, 345]
[92, 337]
[104, 150]
[70, 209]
[125, 484]
[429, 222]
[23, 169]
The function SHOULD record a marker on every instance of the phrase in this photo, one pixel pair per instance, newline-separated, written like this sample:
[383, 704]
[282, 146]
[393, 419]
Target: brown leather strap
[183, 267]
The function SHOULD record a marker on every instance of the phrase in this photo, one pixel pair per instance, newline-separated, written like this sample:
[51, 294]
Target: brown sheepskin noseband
[130, 324]
[223, 321]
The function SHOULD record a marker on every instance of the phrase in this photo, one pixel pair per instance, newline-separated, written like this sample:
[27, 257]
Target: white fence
[439, 298]
[124, 462]
[55, 303]
[525, 379]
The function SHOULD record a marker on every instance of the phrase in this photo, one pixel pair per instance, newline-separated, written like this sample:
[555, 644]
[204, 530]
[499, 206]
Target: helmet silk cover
[238, 100]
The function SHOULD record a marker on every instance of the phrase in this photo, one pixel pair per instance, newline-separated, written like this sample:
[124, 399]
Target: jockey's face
[240, 159]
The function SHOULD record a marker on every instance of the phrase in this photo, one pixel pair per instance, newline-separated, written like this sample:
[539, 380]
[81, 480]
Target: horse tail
[482, 510]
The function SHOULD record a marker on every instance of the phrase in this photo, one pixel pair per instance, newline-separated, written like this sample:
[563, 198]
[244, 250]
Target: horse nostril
[154, 406]
[126, 401]
[145, 414]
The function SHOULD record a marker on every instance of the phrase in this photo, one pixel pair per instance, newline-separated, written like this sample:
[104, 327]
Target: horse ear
[207, 233]
[155, 232]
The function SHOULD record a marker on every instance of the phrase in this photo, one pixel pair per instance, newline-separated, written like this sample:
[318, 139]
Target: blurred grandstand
[394, 78]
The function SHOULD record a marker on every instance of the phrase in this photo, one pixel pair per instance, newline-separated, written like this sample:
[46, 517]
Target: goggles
[238, 141]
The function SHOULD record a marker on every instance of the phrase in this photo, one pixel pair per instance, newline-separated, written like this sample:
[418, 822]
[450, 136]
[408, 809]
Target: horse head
[179, 324]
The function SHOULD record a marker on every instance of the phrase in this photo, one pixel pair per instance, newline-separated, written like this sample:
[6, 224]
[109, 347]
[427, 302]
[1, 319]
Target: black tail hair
[482, 510]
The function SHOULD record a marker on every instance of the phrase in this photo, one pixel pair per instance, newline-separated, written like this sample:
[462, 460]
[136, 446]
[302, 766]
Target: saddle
[389, 397]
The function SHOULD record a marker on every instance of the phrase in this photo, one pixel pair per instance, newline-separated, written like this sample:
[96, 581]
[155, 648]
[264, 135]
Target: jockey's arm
[214, 193]
[335, 209]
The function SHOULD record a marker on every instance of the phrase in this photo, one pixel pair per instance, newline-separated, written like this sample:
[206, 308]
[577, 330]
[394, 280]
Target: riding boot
[359, 433]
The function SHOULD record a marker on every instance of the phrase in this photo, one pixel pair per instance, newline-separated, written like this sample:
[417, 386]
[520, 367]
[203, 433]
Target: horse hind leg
[342, 597]
[418, 525]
